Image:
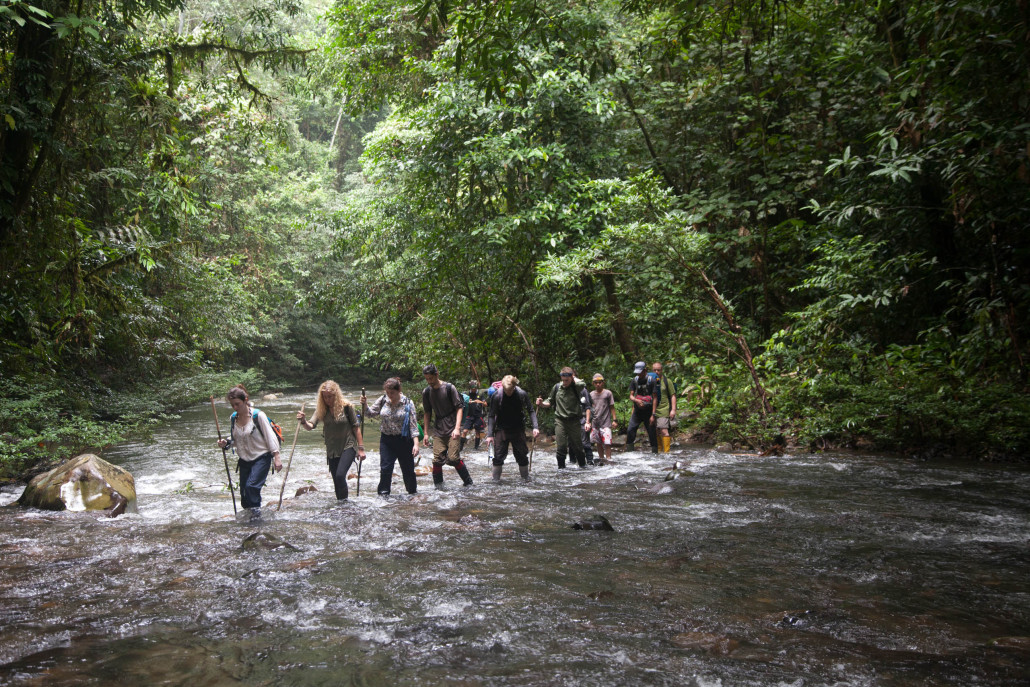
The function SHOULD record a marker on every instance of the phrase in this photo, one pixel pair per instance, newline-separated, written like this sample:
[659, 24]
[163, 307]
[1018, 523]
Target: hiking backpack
[276, 429]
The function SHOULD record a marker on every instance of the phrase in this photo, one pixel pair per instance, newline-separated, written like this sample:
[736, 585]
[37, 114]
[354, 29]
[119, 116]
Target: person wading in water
[441, 400]
[343, 440]
[506, 423]
[398, 435]
[567, 399]
[257, 448]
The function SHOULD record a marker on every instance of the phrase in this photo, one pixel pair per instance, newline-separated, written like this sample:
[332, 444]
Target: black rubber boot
[497, 473]
[438, 476]
[461, 447]
[524, 471]
[463, 473]
[385, 477]
[560, 455]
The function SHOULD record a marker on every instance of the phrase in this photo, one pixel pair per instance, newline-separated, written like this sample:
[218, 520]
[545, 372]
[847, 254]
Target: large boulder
[86, 482]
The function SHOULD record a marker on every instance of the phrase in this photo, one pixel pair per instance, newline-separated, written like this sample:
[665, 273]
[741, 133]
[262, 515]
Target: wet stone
[706, 641]
[260, 540]
[600, 523]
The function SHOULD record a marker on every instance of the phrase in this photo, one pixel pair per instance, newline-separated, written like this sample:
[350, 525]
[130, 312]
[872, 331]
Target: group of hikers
[583, 418]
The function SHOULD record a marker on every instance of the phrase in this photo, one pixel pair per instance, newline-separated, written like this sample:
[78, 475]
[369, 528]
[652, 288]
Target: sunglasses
[566, 374]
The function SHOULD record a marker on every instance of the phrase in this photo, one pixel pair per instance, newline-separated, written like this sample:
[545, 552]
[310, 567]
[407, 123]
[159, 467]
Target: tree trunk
[622, 334]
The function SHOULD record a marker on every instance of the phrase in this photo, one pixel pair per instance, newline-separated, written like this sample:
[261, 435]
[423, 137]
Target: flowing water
[800, 570]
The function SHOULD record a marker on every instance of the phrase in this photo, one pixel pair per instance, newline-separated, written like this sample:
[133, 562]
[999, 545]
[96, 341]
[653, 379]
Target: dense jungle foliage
[813, 212]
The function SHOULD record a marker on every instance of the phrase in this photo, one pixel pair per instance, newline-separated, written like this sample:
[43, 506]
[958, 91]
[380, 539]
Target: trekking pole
[361, 423]
[532, 449]
[286, 474]
[225, 459]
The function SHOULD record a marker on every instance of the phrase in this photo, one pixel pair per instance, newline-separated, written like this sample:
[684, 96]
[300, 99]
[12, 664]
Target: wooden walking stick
[361, 424]
[290, 461]
[532, 449]
[225, 459]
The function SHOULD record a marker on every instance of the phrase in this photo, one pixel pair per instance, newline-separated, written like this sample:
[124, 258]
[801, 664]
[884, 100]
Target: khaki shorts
[662, 423]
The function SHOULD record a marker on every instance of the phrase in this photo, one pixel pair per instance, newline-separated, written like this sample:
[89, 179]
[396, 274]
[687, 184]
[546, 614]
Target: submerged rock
[1017, 643]
[305, 490]
[601, 524]
[86, 482]
[260, 540]
[706, 641]
[677, 471]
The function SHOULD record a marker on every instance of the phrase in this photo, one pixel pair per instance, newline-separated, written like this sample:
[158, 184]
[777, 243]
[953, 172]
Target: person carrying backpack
[342, 434]
[256, 445]
[475, 408]
[441, 400]
[665, 407]
[506, 424]
[642, 393]
[567, 399]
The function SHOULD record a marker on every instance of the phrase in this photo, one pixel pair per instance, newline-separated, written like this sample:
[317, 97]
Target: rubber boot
[385, 477]
[497, 473]
[463, 473]
[524, 471]
[479, 437]
[438, 476]
[560, 455]
[665, 444]
[461, 447]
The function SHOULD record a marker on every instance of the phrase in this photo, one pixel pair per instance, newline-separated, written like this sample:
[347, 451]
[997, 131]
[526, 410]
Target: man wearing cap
[602, 412]
[642, 394]
[566, 397]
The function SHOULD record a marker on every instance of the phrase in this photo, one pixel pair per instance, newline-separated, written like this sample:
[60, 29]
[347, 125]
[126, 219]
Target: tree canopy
[811, 212]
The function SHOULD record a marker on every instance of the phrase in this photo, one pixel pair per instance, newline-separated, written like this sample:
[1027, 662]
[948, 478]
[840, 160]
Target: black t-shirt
[645, 388]
[510, 414]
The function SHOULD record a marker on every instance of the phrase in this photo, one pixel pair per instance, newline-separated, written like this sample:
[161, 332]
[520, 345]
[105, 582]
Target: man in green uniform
[665, 411]
[566, 399]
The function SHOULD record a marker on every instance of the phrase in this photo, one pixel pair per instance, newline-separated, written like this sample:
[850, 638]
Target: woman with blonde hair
[341, 431]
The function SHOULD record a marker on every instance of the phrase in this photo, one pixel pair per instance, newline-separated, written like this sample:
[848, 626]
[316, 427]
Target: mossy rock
[86, 482]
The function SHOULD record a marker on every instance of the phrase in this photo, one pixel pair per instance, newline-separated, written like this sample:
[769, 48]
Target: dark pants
[517, 440]
[252, 478]
[568, 436]
[642, 416]
[338, 468]
[393, 448]
[588, 448]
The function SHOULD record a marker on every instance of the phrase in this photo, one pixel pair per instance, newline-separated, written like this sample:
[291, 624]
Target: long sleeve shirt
[517, 404]
[251, 441]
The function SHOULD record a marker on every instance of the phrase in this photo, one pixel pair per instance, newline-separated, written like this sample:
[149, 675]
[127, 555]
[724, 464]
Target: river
[802, 570]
